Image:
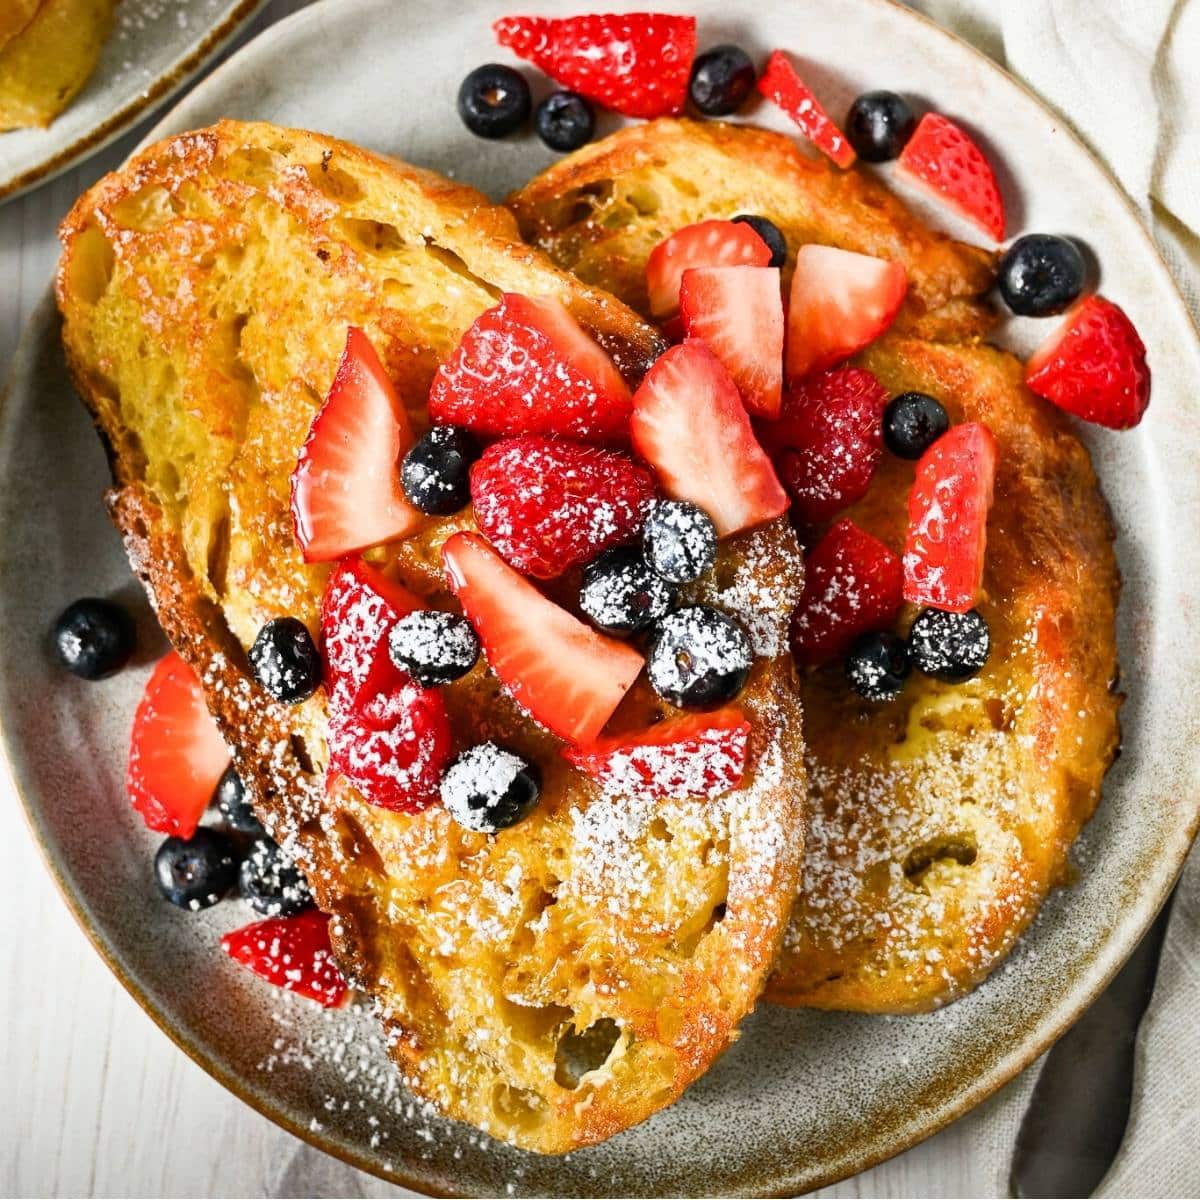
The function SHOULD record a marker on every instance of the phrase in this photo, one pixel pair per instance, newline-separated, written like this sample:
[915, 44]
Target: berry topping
[770, 233]
[703, 754]
[487, 788]
[949, 646]
[690, 424]
[433, 647]
[358, 610]
[565, 121]
[526, 366]
[738, 313]
[346, 492]
[494, 101]
[286, 661]
[706, 244]
[698, 657]
[947, 519]
[877, 666]
[781, 84]
[1094, 366]
[234, 805]
[176, 752]
[637, 64]
[548, 505]
[912, 422]
[852, 585]
[680, 541]
[271, 883]
[621, 594]
[564, 674]
[1041, 275]
[840, 302]
[879, 125]
[392, 743]
[942, 159]
[196, 872]
[94, 638]
[828, 441]
[292, 953]
[435, 473]
[722, 79]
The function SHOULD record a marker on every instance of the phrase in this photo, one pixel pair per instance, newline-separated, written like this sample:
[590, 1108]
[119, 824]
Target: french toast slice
[938, 822]
[564, 979]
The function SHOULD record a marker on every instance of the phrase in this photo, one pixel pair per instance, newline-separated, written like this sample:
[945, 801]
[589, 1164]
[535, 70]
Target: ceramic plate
[803, 1097]
[155, 47]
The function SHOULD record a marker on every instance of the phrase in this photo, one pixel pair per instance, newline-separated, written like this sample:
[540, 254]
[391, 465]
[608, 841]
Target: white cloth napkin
[1126, 74]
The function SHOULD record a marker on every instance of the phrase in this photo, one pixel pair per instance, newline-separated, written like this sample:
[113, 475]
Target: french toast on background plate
[938, 821]
[563, 979]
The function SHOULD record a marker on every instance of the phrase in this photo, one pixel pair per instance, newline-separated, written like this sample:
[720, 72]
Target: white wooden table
[95, 1100]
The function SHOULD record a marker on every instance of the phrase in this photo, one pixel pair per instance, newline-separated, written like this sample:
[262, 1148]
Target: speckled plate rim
[1106, 960]
[145, 101]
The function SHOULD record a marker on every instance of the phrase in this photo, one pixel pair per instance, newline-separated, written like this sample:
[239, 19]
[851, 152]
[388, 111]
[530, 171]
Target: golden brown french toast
[939, 821]
[565, 978]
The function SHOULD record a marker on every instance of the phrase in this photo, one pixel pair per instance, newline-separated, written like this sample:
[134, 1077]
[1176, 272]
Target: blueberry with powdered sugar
[196, 872]
[436, 472]
[433, 647]
[234, 805]
[949, 646]
[877, 666]
[487, 788]
[286, 661]
[621, 594]
[271, 883]
[680, 540]
[699, 657]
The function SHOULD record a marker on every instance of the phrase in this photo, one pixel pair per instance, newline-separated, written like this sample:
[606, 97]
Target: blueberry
[494, 101]
[1041, 275]
[234, 806]
[621, 594]
[271, 883]
[949, 646]
[488, 788]
[722, 78]
[196, 872]
[565, 121]
[285, 660]
[94, 638]
[912, 422]
[698, 657]
[680, 541]
[769, 232]
[436, 474]
[879, 125]
[433, 647]
[877, 666]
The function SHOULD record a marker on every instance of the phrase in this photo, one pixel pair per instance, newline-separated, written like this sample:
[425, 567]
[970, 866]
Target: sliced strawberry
[840, 302]
[392, 742]
[637, 64]
[690, 425]
[780, 83]
[947, 519]
[548, 505]
[176, 752]
[702, 754]
[346, 492]
[853, 584]
[292, 953]
[1094, 365]
[526, 366]
[942, 159]
[358, 610]
[706, 244]
[738, 313]
[563, 673]
[828, 441]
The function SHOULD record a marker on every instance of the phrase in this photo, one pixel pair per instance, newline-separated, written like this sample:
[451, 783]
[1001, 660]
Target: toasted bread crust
[206, 290]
